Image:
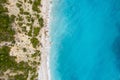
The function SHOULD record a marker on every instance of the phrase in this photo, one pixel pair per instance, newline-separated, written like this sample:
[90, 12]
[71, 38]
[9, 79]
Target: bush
[24, 49]
[3, 1]
[6, 31]
[6, 61]
[36, 31]
[3, 9]
[30, 31]
[18, 5]
[20, 77]
[37, 53]
[13, 18]
[35, 6]
[34, 42]
[41, 22]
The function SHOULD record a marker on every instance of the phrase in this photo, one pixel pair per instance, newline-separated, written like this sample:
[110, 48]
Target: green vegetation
[20, 18]
[24, 49]
[41, 22]
[6, 61]
[37, 53]
[26, 13]
[30, 1]
[6, 31]
[36, 31]
[35, 6]
[20, 24]
[34, 42]
[28, 18]
[25, 0]
[24, 29]
[33, 77]
[21, 10]
[3, 9]
[30, 31]
[18, 5]
[3, 1]
[13, 18]
[20, 77]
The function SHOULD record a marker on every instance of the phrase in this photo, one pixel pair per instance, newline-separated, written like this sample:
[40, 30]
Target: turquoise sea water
[85, 40]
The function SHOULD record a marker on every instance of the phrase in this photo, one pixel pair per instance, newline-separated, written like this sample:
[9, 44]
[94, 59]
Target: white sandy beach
[44, 70]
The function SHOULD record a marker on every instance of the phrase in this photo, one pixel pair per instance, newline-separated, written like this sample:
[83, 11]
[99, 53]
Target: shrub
[3, 9]
[34, 42]
[6, 61]
[36, 31]
[35, 6]
[41, 22]
[3, 1]
[6, 31]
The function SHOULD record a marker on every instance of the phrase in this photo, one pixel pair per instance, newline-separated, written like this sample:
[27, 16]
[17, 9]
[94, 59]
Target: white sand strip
[44, 71]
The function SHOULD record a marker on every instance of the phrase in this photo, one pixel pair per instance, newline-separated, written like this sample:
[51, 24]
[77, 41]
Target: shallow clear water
[85, 40]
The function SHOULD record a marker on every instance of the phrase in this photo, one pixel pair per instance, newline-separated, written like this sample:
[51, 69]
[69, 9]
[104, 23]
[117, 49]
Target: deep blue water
[85, 40]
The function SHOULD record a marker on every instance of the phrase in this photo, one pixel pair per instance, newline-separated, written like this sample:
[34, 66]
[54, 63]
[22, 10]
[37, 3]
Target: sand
[44, 71]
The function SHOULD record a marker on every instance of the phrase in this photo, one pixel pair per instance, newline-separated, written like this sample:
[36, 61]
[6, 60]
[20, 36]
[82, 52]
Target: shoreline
[44, 69]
